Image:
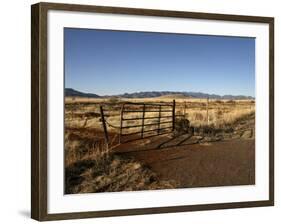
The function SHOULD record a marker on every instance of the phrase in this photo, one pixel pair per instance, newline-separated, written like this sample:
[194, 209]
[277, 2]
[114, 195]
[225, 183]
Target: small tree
[113, 100]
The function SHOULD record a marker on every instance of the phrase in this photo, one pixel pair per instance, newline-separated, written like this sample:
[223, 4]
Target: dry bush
[113, 100]
[219, 113]
[182, 125]
[218, 101]
[78, 148]
[231, 102]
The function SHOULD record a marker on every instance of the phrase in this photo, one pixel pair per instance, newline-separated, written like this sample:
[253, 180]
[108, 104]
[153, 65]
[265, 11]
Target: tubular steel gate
[152, 119]
[143, 120]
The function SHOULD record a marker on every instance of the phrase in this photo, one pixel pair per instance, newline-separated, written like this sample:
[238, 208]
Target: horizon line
[102, 95]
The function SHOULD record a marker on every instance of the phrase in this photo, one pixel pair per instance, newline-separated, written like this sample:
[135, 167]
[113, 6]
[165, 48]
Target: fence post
[184, 110]
[174, 114]
[104, 126]
[121, 123]
[159, 119]
[207, 107]
[143, 115]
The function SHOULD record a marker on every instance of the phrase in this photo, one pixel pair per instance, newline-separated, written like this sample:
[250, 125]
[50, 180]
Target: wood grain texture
[271, 111]
[35, 191]
[39, 109]
[38, 112]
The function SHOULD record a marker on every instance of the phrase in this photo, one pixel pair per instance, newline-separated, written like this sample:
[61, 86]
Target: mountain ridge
[70, 92]
[75, 93]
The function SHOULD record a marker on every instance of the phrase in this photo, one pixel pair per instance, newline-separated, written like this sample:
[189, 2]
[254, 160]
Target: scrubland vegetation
[91, 165]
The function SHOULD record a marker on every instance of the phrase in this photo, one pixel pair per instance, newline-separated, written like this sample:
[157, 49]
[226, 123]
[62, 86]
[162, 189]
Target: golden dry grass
[90, 166]
[84, 112]
[218, 118]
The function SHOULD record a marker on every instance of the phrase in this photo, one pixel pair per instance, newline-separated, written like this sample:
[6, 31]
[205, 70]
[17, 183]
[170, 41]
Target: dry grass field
[83, 112]
[212, 145]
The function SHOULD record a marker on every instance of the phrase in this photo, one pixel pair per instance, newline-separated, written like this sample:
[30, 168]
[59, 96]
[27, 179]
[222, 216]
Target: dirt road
[191, 164]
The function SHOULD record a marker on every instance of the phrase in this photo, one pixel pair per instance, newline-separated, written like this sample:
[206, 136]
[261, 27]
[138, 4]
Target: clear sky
[114, 62]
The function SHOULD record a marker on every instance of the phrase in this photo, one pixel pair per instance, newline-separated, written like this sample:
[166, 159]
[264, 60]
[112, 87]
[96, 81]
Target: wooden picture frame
[39, 108]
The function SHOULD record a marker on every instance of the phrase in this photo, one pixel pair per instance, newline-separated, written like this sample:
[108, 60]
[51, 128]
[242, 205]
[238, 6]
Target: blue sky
[114, 62]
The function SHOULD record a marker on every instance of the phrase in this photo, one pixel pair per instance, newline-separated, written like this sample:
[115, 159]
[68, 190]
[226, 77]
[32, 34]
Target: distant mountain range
[74, 93]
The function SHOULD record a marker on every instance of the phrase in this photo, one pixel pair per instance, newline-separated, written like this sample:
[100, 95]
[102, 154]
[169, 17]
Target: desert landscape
[150, 141]
[154, 110]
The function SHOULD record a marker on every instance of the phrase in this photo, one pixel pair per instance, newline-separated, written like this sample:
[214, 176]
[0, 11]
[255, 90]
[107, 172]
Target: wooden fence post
[121, 123]
[143, 115]
[184, 110]
[174, 114]
[159, 119]
[104, 126]
[207, 107]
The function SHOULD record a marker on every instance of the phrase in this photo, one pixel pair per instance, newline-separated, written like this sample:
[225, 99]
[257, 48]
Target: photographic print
[150, 111]
[144, 111]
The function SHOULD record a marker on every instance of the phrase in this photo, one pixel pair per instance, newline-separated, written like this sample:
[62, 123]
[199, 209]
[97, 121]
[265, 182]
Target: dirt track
[194, 161]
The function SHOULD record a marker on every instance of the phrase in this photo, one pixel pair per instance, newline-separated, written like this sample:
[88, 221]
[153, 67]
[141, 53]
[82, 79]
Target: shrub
[113, 100]
[231, 102]
[218, 102]
[182, 125]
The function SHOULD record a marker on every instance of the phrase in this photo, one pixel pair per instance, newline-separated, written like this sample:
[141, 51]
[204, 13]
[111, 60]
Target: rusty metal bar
[132, 133]
[139, 111]
[157, 129]
[150, 104]
[152, 124]
[140, 118]
[139, 132]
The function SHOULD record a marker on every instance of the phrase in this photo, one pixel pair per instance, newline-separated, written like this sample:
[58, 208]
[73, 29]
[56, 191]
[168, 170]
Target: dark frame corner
[39, 109]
